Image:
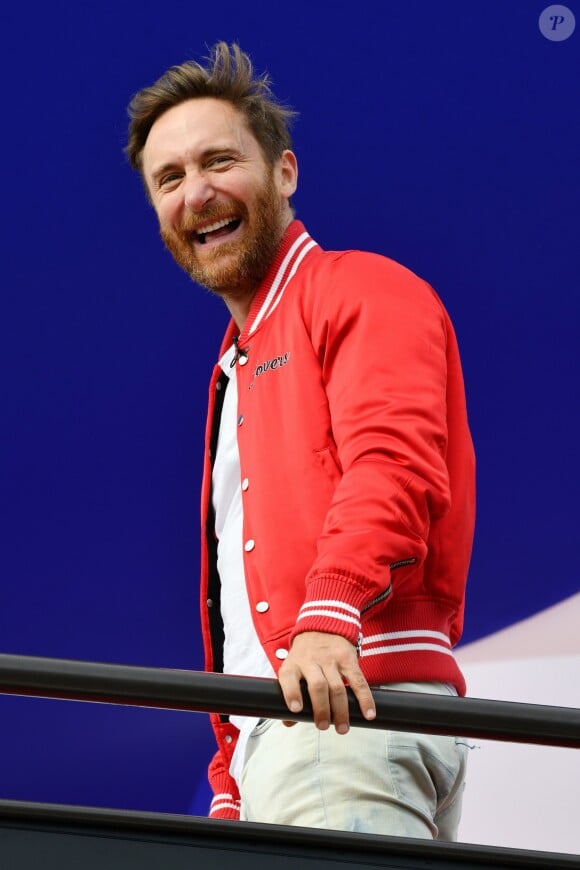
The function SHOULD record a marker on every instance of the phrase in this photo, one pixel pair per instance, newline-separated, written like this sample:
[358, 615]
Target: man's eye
[169, 179]
[220, 161]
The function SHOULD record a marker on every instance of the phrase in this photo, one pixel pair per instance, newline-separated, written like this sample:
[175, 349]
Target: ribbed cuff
[333, 606]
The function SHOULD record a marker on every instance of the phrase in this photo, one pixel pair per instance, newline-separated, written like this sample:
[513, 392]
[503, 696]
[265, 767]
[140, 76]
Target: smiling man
[222, 209]
[338, 493]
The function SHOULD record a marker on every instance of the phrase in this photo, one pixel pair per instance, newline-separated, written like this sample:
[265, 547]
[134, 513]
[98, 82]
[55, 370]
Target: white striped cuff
[331, 609]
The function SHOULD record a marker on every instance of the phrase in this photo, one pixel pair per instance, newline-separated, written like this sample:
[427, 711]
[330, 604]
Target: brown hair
[229, 76]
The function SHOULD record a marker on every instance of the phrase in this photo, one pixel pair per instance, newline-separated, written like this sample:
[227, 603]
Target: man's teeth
[217, 226]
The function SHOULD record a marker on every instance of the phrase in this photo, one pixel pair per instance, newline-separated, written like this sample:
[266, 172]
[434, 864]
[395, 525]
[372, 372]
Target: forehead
[195, 126]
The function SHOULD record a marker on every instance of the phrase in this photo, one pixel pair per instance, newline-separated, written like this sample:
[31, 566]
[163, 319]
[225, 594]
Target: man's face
[222, 209]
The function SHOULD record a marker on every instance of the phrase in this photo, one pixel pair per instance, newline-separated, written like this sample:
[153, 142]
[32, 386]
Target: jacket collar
[294, 246]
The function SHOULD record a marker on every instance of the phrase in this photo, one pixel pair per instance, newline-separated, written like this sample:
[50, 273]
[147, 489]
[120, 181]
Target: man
[338, 490]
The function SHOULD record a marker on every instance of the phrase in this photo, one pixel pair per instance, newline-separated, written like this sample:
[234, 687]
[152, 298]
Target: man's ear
[287, 174]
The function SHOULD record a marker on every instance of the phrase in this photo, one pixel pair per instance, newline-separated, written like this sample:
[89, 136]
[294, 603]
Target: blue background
[445, 135]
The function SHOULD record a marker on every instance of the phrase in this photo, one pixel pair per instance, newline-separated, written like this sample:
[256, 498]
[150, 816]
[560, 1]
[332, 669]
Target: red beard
[234, 267]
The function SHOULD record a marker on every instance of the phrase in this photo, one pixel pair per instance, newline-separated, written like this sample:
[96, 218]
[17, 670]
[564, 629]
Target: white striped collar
[294, 247]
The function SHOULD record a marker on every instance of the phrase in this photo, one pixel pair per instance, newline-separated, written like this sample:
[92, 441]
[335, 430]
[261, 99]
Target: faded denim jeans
[371, 781]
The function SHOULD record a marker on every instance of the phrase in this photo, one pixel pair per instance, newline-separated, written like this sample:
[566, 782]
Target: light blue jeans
[371, 781]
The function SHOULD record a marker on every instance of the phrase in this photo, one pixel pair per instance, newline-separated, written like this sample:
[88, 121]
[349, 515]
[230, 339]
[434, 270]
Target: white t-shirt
[243, 653]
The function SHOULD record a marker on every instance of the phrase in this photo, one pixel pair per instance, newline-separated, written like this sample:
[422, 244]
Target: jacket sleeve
[226, 800]
[381, 336]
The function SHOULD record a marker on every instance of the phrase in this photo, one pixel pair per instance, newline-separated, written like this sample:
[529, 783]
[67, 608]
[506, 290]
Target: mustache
[193, 222]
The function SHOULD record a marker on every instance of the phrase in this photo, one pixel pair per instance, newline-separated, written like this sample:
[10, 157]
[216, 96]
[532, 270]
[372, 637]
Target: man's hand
[325, 661]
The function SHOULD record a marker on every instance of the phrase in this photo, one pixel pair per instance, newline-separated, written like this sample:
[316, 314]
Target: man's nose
[198, 192]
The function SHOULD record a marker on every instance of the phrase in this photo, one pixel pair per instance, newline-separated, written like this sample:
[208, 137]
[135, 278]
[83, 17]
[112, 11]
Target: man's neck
[240, 302]
[239, 307]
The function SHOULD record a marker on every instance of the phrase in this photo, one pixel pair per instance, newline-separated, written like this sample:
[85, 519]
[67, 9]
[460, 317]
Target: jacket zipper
[378, 599]
[402, 562]
[383, 596]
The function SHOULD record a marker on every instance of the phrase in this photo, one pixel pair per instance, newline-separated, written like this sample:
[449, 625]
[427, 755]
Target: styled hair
[228, 75]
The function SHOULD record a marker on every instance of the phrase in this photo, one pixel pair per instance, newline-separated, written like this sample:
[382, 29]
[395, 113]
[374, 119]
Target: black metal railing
[221, 693]
[32, 834]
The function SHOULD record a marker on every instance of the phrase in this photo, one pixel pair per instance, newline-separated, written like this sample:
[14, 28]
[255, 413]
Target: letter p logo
[557, 23]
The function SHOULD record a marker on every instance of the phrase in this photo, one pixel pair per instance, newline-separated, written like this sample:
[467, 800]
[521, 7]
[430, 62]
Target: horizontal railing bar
[370, 849]
[130, 685]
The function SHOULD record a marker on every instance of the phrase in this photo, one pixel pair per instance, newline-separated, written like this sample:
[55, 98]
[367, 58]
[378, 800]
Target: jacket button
[229, 738]
[240, 419]
[209, 602]
[262, 606]
[245, 484]
[281, 653]
[249, 545]
[218, 386]
[242, 359]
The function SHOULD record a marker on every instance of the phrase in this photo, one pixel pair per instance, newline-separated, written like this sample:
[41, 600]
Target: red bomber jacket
[357, 472]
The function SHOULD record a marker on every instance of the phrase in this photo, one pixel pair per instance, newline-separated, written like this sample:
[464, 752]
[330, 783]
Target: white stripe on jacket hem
[405, 647]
